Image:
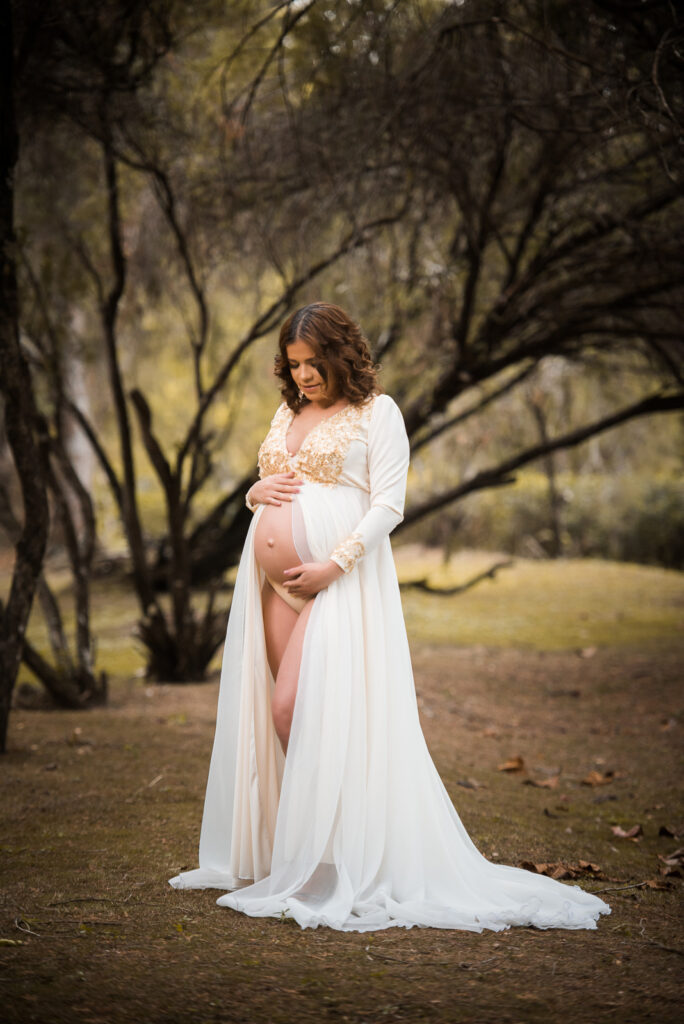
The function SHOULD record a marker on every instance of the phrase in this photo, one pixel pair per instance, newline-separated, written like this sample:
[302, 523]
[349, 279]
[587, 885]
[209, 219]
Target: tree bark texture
[19, 411]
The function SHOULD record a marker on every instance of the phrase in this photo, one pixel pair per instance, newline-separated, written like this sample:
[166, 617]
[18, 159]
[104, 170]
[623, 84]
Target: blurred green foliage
[630, 517]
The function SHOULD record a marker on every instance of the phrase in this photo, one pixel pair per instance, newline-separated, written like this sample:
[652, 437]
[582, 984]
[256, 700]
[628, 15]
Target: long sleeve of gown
[388, 462]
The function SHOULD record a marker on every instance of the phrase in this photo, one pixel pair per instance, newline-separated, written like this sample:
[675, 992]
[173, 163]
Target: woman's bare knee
[283, 700]
[282, 722]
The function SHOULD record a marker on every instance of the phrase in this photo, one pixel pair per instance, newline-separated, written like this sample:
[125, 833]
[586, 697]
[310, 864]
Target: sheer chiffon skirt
[354, 830]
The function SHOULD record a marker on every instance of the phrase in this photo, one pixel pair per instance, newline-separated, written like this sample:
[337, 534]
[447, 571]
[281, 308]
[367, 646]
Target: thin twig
[425, 963]
[471, 967]
[86, 899]
[87, 921]
[660, 945]
[635, 885]
[106, 899]
[21, 924]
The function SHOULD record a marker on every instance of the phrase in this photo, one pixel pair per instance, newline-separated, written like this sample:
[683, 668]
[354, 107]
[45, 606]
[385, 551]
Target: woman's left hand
[308, 578]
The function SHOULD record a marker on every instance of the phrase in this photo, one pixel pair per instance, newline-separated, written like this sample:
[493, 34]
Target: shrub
[624, 518]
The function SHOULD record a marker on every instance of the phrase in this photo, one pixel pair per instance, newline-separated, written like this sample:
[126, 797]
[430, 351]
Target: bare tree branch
[501, 474]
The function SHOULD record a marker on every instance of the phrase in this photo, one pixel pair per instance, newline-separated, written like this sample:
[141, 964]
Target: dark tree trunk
[555, 547]
[16, 389]
[74, 683]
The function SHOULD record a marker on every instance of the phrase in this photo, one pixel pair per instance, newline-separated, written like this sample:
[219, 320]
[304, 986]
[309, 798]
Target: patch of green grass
[544, 605]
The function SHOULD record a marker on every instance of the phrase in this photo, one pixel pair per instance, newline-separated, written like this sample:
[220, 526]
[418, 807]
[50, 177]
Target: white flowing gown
[354, 829]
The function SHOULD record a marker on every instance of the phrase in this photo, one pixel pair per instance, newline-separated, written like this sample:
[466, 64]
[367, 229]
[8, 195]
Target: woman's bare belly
[273, 542]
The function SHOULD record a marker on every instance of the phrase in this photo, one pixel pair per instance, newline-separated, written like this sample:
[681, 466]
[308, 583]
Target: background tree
[111, 103]
[539, 171]
[21, 424]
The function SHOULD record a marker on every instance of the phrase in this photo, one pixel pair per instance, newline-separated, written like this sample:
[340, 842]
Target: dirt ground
[100, 808]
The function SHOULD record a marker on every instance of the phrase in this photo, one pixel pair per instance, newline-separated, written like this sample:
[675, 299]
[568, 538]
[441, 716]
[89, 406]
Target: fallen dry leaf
[552, 870]
[595, 778]
[469, 783]
[559, 870]
[549, 783]
[513, 764]
[673, 860]
[673, 831]
[78, 740]
[587, 865]
[633, 833]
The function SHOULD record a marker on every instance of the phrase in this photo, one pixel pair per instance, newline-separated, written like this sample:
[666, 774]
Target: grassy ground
[100, 808]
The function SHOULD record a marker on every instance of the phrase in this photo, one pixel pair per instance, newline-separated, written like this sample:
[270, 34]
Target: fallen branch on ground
[461, 587]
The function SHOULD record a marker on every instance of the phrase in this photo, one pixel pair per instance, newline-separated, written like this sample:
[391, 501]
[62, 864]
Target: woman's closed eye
[314, 366]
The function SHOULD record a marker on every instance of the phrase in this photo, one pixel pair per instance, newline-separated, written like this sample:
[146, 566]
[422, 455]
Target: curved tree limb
[460, 588]
[501, 474]
[474, 409]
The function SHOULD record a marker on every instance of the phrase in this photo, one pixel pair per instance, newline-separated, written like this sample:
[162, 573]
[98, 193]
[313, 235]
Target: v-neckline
[326, 419]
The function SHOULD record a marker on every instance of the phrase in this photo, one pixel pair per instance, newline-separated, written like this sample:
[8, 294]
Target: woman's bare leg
[287, 676]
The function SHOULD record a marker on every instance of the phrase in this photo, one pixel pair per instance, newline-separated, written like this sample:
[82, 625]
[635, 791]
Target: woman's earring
[301, 393]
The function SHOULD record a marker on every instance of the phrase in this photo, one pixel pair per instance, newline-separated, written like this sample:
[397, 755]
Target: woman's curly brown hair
[339, 343]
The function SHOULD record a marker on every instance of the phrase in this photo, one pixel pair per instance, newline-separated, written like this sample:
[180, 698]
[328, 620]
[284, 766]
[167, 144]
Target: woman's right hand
[274, 489]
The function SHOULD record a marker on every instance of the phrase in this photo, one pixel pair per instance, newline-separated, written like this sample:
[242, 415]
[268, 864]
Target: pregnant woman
[323, 803]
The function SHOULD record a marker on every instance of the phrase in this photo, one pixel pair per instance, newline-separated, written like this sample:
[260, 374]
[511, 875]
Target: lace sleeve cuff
[347, 554]
[248, 503]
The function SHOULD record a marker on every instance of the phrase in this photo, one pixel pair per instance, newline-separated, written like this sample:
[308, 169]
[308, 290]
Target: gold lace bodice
[361, 446]
[322, 453]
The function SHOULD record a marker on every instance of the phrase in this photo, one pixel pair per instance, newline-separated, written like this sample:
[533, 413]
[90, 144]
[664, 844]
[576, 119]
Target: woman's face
[306, 368]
